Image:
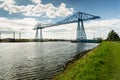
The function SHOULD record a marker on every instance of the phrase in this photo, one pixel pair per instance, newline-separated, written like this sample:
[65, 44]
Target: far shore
[30, 40]
[48, 40]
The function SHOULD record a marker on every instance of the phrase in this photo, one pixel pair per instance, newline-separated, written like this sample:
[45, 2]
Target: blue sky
[104, 8]
[22, 15]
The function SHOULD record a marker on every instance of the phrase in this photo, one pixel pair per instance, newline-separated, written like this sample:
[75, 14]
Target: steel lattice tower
[81, 35]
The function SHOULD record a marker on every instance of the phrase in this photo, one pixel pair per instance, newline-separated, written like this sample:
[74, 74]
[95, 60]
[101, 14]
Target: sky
[21, 16]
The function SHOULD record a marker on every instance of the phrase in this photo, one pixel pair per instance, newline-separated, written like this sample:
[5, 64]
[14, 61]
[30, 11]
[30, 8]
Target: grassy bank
[102, 63]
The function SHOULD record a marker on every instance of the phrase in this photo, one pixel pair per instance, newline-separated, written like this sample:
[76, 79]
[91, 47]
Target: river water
[35, 60]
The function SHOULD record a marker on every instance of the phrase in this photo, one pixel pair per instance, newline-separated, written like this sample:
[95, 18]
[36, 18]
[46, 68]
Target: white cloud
[7, 5]
[27, 23]
[63, 11]
[36, 1]
[50, 20]
[8, 1]
[37, 9]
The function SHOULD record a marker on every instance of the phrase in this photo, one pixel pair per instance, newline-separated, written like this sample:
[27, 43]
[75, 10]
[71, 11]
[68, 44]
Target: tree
[113, 36]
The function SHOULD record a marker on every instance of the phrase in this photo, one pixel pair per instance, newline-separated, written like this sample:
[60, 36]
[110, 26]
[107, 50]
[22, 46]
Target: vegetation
[102, 63]
[113, 36]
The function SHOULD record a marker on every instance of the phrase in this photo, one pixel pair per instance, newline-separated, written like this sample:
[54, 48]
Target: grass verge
[102, 63]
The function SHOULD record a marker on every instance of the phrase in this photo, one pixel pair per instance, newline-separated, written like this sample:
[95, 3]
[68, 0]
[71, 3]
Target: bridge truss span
[78, 18]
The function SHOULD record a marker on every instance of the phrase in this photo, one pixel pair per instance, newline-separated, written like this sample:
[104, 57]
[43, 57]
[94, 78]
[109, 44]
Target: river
[35, 60]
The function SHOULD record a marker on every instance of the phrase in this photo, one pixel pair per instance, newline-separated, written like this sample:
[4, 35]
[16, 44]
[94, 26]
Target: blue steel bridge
[78, 18]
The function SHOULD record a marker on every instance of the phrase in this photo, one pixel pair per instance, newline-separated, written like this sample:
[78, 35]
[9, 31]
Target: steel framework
[78, 17]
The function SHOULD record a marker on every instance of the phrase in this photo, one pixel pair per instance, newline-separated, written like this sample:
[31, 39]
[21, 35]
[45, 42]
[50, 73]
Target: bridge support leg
[83, 31]
[78, 36]
[81, 35]
[41, 38]
[36, 36]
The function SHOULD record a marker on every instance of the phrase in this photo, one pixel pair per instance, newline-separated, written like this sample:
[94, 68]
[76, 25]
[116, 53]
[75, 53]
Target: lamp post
[14, 35]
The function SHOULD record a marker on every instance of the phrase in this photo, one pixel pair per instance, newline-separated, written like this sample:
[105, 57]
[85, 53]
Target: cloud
[50, 20]
[7, 4]
[103, 24]
[19, 25]
[36, 1]
[102, 27]
[62, 28]
[37, 9]
[8, 1]
[63, 11]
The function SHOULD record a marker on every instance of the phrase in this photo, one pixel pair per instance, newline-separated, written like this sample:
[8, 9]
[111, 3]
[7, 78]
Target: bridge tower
[38, 29]
[36, 35]
[37, 32]
[81, 35]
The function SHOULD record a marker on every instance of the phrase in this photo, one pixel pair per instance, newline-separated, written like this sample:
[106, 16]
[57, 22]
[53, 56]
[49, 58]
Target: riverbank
[102, 63]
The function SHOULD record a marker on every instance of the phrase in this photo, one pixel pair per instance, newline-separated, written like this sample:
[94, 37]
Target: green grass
[102, 63]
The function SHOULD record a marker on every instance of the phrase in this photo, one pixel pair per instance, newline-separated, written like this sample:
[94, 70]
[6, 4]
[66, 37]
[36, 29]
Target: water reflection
[80, 47]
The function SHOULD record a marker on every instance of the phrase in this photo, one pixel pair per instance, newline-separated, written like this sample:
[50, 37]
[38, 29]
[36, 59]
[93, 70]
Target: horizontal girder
[79, 16]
